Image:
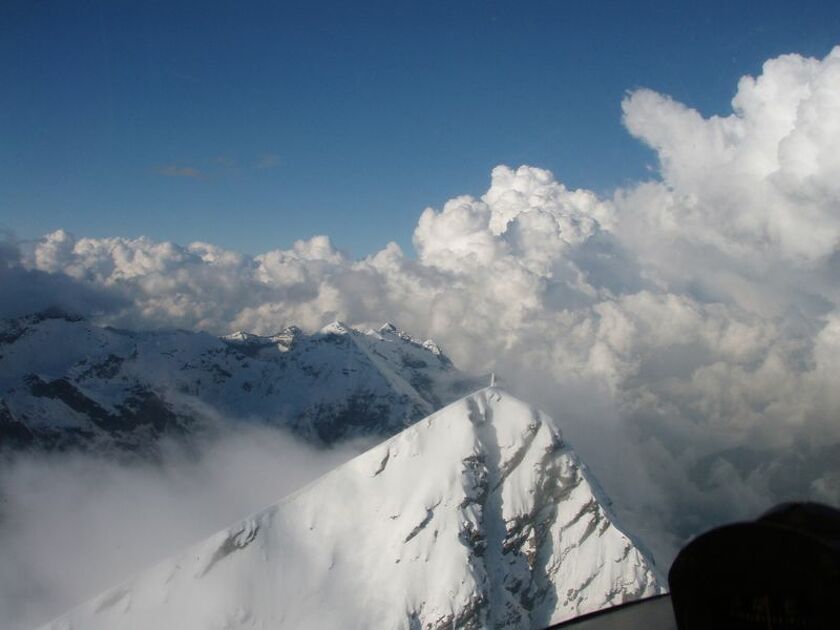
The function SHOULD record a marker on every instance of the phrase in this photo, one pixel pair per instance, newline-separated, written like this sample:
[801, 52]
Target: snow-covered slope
[67, 382]
[478, 516]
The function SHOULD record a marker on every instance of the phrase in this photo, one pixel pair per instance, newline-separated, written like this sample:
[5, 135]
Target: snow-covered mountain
[479, 516]
[66, 382]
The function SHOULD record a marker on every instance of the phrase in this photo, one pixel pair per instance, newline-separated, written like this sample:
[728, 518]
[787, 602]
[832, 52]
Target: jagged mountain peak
[389, 330]
[478, 516]
[336, 328]
[241, 336]
[388, 327]
[282, 341]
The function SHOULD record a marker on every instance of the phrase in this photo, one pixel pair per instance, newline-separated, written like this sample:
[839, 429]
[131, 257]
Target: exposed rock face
[479, 516]
[65, 382]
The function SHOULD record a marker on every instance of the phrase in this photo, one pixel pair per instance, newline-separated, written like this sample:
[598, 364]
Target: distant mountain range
[68, 383]
[479, 516]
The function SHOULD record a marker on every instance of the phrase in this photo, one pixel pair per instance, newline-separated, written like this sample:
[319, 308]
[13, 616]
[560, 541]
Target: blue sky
[253, 128]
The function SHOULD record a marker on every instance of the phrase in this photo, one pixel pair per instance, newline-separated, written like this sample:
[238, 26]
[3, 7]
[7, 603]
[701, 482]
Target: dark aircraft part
[780, 572]
[653, 613]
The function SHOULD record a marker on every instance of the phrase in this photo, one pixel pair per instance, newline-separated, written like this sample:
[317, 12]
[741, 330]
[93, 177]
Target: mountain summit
[478, 516]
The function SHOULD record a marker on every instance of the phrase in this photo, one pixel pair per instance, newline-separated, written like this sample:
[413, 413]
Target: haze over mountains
[478, 516]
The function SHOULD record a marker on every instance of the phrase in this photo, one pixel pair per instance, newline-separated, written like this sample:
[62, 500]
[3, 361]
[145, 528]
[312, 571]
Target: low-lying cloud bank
[686, 331]
[72, 525]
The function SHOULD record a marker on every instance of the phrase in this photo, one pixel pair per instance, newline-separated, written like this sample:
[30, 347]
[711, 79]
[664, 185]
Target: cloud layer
[686, 330]
[73, 525]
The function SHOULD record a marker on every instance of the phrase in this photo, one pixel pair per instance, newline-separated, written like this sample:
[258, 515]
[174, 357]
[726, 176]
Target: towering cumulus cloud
[686, 331]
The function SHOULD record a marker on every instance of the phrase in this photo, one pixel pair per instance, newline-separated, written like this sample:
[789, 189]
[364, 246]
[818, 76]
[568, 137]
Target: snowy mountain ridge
[67, 383]
[478, 516]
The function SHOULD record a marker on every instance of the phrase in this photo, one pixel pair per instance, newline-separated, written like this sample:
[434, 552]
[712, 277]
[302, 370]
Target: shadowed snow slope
[478, 516]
